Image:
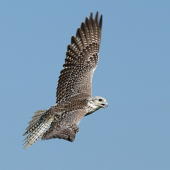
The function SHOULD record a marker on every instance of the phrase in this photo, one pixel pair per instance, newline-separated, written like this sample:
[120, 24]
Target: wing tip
[100, 21]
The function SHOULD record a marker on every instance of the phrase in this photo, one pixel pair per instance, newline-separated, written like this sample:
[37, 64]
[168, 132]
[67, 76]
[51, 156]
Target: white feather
[37, 133]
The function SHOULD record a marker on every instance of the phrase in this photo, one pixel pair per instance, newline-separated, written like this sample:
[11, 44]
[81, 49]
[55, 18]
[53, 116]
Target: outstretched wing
[81, 60]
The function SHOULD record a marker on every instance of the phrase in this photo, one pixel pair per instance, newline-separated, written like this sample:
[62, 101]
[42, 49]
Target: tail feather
[37, 115]
[36, 128]
[35, 121]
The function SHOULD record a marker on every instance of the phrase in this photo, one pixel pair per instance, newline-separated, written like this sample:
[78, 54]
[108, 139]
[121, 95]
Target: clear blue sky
[133, 74]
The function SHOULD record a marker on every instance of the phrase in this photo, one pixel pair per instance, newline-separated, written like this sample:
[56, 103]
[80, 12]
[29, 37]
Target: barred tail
[37, 126]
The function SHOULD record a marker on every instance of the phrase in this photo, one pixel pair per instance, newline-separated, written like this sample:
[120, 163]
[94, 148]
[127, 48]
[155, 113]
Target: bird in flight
[74, 98]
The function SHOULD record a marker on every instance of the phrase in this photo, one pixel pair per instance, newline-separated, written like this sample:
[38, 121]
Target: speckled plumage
[74, 99]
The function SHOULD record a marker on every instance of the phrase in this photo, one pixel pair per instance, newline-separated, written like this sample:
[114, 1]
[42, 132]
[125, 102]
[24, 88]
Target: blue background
[133, 74]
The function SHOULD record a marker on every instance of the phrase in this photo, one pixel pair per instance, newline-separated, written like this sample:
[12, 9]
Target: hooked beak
[104, 105]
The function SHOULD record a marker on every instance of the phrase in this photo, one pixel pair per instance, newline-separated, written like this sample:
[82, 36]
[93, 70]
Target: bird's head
[99, 102]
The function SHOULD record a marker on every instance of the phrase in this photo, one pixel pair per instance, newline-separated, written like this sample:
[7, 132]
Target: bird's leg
[75, 128]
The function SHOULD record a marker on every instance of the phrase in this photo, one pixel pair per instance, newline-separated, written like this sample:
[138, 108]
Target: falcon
[74, 98]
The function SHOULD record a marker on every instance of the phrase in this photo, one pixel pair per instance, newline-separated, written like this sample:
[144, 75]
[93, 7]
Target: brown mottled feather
[67, 127]
[81, 60]
[74, 87]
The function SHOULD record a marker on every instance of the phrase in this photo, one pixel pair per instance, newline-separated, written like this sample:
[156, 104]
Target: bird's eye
[100, 100]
